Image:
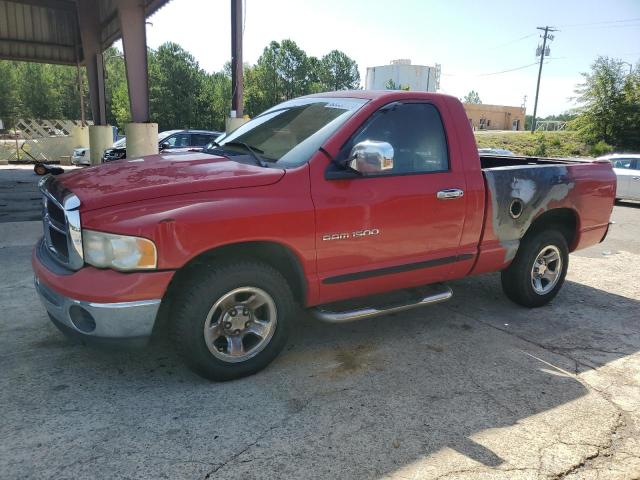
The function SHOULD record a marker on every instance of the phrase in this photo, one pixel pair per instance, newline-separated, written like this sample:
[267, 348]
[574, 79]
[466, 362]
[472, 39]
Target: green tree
[472, 97]
[115, 86]
[338, 71]
[258, 95]
[281, 73]
[175, 80]
[181, 94]
[37, 91]
[267, 77]
[65, 80]
[562, 117]
[214, 101]
[9, 101]
[630, 127]
[292, 63]
[314, 72]
[391, 85]
[601, 99]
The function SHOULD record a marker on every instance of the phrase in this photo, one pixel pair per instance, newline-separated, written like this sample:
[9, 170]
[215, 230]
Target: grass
[539, 144]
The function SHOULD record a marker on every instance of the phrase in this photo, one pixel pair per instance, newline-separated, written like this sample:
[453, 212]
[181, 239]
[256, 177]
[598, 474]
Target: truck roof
[378, 94]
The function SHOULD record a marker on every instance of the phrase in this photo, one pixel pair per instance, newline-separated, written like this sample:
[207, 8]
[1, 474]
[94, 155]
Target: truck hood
[157, 176]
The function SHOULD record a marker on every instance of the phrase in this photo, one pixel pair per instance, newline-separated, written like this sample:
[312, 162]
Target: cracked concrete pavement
[476, 388]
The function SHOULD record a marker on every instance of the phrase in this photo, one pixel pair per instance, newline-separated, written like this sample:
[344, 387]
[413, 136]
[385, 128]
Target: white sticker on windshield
[343, 105]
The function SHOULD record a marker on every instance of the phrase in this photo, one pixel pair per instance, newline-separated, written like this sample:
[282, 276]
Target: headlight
[120, 252]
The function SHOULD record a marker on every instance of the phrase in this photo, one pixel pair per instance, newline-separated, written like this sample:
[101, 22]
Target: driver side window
[178, 141]
[415, 132]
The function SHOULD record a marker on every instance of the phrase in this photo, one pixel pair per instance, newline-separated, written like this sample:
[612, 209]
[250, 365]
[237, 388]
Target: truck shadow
[357, 400]
[477, 364]
[627, 203]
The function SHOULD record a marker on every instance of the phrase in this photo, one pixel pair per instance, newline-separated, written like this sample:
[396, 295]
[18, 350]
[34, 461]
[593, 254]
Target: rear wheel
[232, 319]
[537, 273]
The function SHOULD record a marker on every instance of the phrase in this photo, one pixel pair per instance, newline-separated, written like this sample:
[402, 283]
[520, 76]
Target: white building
[400, 74]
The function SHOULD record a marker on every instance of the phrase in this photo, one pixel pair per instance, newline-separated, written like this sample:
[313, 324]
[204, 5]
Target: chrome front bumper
[126, 320]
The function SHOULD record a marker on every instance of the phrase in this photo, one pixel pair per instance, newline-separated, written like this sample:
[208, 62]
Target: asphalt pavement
[19, 197]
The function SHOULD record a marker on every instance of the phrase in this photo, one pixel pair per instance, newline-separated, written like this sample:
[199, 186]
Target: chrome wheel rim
[240, 324]
[546, 270]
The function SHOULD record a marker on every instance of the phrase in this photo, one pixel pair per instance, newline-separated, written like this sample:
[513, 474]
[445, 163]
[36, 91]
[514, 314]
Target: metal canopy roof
[48, 31]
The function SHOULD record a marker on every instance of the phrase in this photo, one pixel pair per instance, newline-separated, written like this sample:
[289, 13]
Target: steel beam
[52, 4]
[89, 21]
[134, 41]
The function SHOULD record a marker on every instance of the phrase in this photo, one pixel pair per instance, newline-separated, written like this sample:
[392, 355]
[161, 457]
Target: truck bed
[494, 161]
[521, 189]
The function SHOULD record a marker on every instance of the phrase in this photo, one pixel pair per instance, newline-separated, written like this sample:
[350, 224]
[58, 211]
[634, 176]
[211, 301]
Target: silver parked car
[627, 169]
[171, 141]
[81, 156]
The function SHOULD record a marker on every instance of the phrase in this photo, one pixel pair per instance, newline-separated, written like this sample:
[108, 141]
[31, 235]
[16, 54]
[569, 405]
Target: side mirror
[164, 146]
[371, 157]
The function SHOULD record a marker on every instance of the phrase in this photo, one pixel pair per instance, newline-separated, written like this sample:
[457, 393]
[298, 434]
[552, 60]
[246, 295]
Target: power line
[616, 27]
[601, 23]
[507, 71]
[511, 42]
[503, 71]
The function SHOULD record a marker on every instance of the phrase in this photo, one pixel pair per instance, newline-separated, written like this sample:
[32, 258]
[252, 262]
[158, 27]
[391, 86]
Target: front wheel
[537, 273]
[232, 319]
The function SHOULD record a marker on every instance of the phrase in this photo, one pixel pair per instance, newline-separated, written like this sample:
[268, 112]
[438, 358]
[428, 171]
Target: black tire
[198, 296]
[517, 278]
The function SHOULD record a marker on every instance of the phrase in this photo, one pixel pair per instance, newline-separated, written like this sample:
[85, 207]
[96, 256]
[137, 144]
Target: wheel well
[274, 254]
[278, 256]
[564, 220]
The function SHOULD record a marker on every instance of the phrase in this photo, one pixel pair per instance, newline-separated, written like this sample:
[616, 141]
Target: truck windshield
[290, 132]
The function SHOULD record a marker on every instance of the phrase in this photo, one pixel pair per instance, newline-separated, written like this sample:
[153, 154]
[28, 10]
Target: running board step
[404, 300]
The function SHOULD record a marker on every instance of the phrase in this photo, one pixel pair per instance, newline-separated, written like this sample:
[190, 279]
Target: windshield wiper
[252, 150]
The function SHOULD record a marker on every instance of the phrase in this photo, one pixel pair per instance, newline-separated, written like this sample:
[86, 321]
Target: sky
[472, 40]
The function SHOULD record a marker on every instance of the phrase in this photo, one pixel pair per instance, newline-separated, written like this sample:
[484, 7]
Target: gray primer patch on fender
[536, 186]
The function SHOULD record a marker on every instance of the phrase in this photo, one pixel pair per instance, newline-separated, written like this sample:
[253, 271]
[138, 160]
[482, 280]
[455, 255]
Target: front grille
[114, 155]
[56, 213]
[61, 222]
[59, 244]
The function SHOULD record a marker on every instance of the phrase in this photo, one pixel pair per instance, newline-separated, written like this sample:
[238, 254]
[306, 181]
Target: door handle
[450, 193]
[636, 178]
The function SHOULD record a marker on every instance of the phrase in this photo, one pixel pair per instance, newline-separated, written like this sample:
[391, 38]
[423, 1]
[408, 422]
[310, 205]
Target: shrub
[541, 147]
[600, 148]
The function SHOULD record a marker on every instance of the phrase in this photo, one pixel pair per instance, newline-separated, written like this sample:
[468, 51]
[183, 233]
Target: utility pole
[543, 52]
[236, 59]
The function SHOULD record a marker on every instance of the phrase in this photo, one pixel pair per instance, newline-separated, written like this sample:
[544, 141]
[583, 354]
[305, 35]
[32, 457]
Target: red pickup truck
[349, 204]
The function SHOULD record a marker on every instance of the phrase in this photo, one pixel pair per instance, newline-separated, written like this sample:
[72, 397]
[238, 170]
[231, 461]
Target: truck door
[398, 228]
